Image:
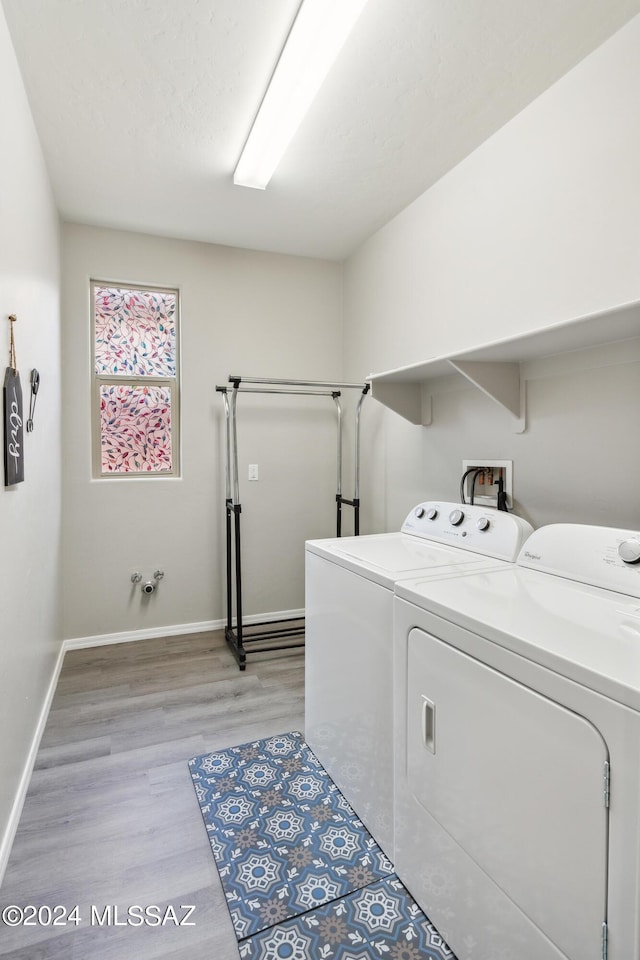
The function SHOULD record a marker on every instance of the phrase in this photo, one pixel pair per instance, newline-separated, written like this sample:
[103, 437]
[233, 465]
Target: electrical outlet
[486, 488]
[253, 471]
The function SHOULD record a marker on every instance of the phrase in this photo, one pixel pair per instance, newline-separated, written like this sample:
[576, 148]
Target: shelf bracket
[427, 407]
[404, 398]
[501, 382]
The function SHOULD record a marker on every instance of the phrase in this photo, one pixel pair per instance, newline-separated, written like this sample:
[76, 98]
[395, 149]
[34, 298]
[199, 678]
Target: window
[135, 374]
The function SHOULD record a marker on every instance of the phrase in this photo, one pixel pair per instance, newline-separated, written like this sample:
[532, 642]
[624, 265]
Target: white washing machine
[518, 750]
[349, 637]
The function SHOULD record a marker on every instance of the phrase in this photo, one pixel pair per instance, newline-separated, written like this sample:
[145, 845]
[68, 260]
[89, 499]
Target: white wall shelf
[497, 368]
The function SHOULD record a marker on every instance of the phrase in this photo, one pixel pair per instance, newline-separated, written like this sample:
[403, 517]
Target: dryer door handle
[428, 724]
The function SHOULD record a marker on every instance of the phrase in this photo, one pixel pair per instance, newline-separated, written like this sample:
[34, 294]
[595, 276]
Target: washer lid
[434, 536]
[388, 557]
[586, 633]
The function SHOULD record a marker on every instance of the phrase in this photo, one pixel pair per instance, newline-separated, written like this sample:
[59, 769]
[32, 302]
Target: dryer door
[516, 781]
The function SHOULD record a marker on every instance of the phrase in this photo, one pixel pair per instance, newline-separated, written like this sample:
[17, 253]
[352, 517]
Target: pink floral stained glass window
[135, 332]
[135, 376]
[136, 428]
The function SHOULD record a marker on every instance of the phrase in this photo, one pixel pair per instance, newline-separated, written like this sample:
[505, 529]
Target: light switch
[253, 471]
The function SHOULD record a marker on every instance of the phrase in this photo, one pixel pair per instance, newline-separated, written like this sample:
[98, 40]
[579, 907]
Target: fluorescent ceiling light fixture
[316, 37]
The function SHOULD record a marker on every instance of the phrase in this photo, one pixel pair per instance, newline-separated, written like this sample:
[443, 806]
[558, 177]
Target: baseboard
[21, 793]
[174, 630]
[128, 636]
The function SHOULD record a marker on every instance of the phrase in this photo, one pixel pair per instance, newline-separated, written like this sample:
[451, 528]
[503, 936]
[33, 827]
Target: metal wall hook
[35, 386]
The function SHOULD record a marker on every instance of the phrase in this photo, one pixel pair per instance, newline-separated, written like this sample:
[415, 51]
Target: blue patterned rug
[302, 876]
[379, 921]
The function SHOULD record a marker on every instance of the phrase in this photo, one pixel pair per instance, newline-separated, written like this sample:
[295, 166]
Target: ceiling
[143, 107]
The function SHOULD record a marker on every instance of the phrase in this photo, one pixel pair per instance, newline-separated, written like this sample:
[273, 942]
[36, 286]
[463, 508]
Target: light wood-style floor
[111, 817]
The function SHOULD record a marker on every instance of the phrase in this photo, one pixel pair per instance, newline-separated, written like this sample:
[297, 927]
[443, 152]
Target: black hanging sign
[13, 420]
[13, 445]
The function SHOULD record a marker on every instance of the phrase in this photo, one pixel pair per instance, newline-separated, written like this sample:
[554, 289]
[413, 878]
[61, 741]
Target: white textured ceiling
[143, 107]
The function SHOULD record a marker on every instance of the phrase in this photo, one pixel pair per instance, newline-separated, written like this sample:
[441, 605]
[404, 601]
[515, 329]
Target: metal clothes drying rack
[237, 636]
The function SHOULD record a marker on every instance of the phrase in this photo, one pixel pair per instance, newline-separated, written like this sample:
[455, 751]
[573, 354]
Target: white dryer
[349, 637]
[518, 750]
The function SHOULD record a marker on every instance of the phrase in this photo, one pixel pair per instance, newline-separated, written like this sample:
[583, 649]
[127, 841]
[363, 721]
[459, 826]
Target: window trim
[98, 380]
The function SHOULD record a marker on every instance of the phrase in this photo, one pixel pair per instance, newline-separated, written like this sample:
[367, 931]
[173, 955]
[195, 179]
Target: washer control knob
[629, 550]
[419, 512]
[432, 514]
[483, 524]
[456, 517]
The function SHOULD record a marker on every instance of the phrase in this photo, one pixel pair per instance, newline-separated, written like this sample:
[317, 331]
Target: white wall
[30, 635]
[246, 313]
[540, 225]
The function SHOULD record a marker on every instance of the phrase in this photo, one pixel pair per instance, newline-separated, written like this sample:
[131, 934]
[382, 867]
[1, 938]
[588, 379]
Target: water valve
[149, 587]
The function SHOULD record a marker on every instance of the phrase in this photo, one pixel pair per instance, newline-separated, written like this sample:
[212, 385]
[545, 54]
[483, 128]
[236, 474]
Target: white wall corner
[6, 842]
